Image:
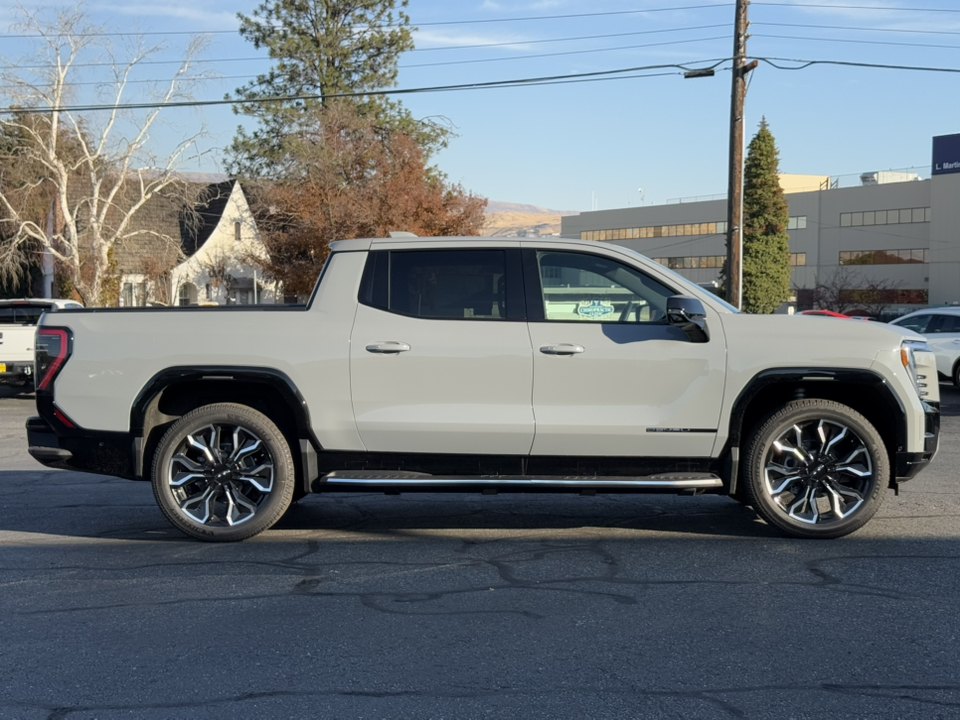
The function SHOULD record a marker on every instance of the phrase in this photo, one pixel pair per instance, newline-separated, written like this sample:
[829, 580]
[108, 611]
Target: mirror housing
[688, 314]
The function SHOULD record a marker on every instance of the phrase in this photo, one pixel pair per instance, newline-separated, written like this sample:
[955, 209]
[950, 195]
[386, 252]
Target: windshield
[21, 314]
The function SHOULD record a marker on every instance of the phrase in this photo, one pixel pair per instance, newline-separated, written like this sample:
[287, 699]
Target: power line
[523, 82]
[571, 39]
[856, 29]
[413, 25]
[887, 8]
[565, 53]
[804, 64]
[858, 42]
[494, 84]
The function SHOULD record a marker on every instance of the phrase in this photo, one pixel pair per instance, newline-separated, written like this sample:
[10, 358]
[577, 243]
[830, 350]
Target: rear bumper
[16, 373]
[909, 464]
[102, 453]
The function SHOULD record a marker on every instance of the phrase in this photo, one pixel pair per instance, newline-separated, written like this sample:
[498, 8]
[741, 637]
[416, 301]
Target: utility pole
[735, 187]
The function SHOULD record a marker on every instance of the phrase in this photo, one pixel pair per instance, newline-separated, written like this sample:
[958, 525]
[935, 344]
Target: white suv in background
[941, 327]
[18, 328]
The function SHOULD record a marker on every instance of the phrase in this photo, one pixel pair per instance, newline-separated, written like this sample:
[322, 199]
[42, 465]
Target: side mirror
[687, 313]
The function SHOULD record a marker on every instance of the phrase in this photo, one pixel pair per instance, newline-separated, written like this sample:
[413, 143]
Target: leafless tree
[95, 161]
[846, 289]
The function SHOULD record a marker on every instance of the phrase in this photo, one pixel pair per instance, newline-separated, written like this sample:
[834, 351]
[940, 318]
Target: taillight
[53, 349]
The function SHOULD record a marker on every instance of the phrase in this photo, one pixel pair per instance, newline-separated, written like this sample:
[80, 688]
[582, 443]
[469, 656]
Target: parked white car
[18, 328]
[941, 327]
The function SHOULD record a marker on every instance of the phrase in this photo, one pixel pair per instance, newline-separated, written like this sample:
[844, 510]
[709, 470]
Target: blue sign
[946, 154]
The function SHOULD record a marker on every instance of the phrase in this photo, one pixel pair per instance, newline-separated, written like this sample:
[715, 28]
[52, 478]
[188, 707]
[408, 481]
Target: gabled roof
[171, 226]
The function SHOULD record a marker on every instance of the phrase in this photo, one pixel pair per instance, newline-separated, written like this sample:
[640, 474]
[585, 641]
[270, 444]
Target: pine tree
[766, 249]
[323, 48]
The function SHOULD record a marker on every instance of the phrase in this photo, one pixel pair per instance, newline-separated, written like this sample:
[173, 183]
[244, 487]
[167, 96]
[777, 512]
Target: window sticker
[594, 309]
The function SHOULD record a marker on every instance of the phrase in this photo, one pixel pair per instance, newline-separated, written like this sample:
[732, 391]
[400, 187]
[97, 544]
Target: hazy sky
[578, 145]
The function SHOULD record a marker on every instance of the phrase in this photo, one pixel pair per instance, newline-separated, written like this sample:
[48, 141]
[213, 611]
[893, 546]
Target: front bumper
[16, 373]
[909, 464]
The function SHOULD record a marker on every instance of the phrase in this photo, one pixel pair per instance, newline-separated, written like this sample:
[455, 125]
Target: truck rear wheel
[816, 469]
[223, 473]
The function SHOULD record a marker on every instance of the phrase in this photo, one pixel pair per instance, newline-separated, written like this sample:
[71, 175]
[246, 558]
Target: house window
[236, 232]
[187, 295]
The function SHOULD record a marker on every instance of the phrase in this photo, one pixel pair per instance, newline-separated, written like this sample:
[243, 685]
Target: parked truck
[18, 328]
[486, 365]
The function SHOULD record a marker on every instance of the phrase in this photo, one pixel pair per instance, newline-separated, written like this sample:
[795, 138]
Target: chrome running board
[660, 481]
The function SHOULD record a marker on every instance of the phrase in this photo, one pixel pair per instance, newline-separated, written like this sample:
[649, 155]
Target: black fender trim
[811, 377]
[306, 442]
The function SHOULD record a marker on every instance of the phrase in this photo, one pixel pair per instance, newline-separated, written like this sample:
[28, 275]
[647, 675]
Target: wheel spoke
[241, 452]
[237, 501]
[202, 447]
[783, 446]
[838, 495]
[834, 440]
[809, 501]
[203, 501]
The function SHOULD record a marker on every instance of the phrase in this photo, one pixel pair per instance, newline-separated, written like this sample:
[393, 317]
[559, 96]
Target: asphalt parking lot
[460, 606]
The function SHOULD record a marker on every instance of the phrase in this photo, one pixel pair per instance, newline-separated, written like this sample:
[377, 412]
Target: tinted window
[21, 314]
[917, 323]
[947, 324]
[589, 288]
[438, 284]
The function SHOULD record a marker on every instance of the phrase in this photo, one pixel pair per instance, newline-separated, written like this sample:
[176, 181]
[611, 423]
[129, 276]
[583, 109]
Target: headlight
[907, 350]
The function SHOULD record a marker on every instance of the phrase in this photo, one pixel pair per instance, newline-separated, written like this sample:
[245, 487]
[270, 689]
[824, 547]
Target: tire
[816, 469]
[223, 473]
[956, 374]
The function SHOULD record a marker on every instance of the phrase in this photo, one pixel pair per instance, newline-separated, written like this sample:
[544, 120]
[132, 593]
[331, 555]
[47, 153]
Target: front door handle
[388, 348]
[561, 349]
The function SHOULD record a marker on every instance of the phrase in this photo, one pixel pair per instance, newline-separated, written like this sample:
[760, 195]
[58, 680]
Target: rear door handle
[389, 347]
[562, 349]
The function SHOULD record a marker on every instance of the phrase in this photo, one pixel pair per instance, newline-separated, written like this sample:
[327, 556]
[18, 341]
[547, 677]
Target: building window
[236, 232]
[913, 256]
[797, 222]
[884, 217]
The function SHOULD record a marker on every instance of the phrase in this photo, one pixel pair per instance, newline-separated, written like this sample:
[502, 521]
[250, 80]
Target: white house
[199, 255]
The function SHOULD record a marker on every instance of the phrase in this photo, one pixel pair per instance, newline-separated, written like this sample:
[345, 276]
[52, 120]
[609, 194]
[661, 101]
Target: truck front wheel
[223, 473]
[816, 469]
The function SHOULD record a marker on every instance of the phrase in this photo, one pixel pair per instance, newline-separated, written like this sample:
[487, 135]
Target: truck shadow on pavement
[95, 506]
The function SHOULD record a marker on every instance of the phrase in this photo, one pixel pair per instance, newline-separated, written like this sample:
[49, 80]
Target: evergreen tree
[322, 48]
[766, 249]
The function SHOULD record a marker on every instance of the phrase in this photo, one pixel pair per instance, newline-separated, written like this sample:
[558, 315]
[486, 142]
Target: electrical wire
[494, 84]
[572, 39]
[855, 29]
[564, 54]
[413, 26]
[886, 8]
[804, 64]
[857, 42]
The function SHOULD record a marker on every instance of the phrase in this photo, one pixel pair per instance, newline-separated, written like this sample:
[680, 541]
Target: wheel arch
[862, 390]
[172, 393]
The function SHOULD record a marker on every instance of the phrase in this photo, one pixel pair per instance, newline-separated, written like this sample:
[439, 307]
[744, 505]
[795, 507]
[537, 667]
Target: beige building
[905, 232]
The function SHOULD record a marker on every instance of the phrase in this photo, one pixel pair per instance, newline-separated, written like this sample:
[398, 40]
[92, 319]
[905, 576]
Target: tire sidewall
[232, 414]
[801, 411]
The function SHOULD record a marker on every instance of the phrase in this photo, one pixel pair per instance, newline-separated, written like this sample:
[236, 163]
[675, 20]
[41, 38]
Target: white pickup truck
[18, 328]
[486, 365]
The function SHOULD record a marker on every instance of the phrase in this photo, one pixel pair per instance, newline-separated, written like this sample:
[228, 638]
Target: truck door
[611, 377]
[440, 355]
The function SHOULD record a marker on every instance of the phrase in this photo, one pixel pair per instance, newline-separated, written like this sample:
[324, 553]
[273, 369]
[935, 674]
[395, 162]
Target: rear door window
[468, 284]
